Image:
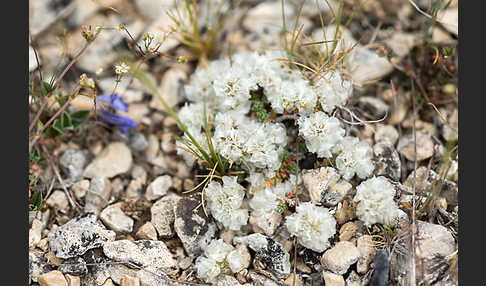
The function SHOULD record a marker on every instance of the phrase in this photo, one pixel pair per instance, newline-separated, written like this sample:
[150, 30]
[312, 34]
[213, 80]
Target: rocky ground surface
[119, 214]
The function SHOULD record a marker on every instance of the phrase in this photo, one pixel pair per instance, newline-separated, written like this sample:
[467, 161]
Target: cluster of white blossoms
[321, 133]
[265, 201]
[218, 258]
[222, 96]
[354, 157]
[225, 202]
[222, 90]
[375, 201]
[312, 225]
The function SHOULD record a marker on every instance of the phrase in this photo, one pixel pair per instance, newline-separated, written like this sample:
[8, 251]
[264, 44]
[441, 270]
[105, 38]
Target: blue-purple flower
[115, 102]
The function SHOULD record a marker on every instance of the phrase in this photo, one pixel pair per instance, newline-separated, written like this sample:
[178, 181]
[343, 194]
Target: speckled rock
[192, 226]
[113, 217]
[332, 279]
[58, 201]
[78, 236]
[434, 243]
[74, 266]
[340, 257]
[149, 254]
[386, 133]
[387, 161]
[367, 252]
[158, 187]
[98, 195]
[171, 88]
[72, 162]
[425, 146]
[35, 233]
[270, 252]
[325, 186]
[37, 265]
[147, 231]
[163, 217]
[114, 160]
[227, 280]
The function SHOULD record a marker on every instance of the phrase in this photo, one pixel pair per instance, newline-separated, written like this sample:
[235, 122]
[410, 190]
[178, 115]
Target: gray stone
[158, 187]
[79, 235]
[163, 216]
[381, 269]
[434, 247]
[353, 279]
[35, 233]
[74, 266]
[114, 160]
[193, 227]
[367, 252]
[138, 142]
[227, 280]
[171, 88]
[151, 10]
[113, 217]
[37, 266]
[98, 195]
[331, 279]
[425, 146]
[58, 201]
[148, 254]
[386, 132]
[324, 186]
[339, 258]
[402, 43]
[72, 163]
[80, 188]
[147, 231]
[270, 252]
[366, 65]
[373, 106]
[139, 173]
[387, 160]
[317, 181]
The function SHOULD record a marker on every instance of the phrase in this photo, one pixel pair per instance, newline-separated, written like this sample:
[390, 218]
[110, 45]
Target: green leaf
[36, 201]
[57, 125]
[67, 123]
[45, 88]
[62, 99]
[79, 117]
[36, 157]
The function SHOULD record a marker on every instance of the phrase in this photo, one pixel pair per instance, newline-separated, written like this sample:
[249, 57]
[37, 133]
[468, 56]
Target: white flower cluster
[241, 139]
[218, 258]
[354, 157]
[224, 89]
[312, 225]
[321, 133]
[225, 202]
[265, 201]
[375, 201]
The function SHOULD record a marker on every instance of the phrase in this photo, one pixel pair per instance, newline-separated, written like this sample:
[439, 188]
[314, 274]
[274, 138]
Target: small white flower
[333, 90]
[207, 269]
[312, 225]
[321, 133]
[354, 157]
[225, 202]
[122, 69]
[375, 201]
[217, 250]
